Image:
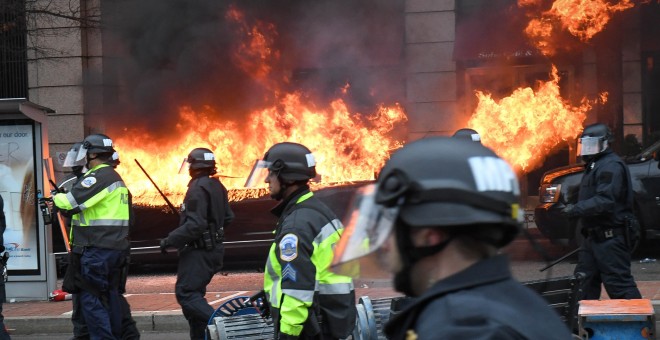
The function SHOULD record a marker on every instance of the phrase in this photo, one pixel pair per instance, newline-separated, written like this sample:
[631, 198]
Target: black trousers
[607, 263]
[195, 271]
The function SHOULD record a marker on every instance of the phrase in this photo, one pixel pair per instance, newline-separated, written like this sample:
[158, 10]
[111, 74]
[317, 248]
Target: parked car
[247, 238]
[560, 186]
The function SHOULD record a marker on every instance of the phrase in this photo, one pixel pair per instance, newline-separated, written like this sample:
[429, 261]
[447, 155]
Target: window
[13, 49]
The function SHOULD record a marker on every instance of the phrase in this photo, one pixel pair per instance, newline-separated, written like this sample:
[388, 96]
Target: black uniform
[604, 200]
[480, 302]
[204, 213]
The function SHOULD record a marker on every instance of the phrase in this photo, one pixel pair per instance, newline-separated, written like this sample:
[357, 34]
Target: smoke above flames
[238, 77]
[161, 55]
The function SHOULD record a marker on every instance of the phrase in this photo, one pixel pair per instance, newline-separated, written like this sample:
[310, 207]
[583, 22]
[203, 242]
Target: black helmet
[595, 139]
[597, 130]
[201, 158]
[468, 134]
[291, 161]
[451, 182]
[98, 143]
[439, 182]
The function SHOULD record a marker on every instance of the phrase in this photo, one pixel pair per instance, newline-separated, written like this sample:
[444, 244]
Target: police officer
[76, 165]
[129, 329]
[307, 301]
[436, 219]
[199, 238]
[99, 235]
[604, 202]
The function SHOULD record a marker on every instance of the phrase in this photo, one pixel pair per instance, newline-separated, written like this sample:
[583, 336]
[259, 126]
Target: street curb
[146, 322]
[61, 324]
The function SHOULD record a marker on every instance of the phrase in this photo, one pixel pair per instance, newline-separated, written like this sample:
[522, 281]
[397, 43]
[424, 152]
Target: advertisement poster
[17, 187]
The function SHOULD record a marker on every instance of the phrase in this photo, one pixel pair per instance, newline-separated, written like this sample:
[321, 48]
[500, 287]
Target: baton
[169, 204]
[560, 259]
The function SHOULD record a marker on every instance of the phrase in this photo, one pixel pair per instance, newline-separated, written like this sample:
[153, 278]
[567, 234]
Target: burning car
[560, 187]
[247, 238]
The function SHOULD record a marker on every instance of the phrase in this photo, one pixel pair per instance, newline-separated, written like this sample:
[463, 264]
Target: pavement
[153, 312]
[155, 309]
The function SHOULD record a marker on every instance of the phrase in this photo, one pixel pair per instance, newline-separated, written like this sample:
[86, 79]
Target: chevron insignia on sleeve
[288, 273]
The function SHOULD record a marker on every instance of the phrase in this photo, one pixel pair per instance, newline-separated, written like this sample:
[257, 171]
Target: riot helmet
[200, 161]
[200, 158]
[291, 162]
[438, 182]
[594, 140]
[468, 134]
[95, 144]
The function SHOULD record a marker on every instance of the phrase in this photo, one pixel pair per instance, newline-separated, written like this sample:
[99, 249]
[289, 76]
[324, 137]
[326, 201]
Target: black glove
[163, 246]
[260, 302]
[569, 210]
[284, 336]
[2, 248]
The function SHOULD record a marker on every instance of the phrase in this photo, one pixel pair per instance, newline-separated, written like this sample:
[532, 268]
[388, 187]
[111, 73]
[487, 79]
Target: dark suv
[247, 239]
[560, 187]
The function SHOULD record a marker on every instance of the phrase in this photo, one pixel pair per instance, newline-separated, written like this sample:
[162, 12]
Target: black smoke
[159, 55]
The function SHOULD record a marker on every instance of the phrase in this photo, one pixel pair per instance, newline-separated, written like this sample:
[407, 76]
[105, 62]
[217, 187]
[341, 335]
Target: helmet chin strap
[410, 255]
[283, 186]
[89, 159]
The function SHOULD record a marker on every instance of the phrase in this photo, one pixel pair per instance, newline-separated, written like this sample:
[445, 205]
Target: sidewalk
[155, 309]
[153, 312]
[160, 312]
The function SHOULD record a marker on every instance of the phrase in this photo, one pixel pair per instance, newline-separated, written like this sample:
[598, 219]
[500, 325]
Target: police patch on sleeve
[88, 182]
[289, 247]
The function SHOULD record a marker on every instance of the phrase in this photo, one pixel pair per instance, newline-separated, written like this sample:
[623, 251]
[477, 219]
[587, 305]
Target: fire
[347, 146]
[582, 18]
[527, 125]
[253, 52]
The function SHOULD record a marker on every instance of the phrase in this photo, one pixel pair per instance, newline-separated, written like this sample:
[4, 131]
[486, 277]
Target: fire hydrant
[59, 295]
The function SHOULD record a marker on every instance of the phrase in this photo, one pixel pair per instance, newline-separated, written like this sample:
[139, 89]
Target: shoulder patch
[88, 182]
[289, 247]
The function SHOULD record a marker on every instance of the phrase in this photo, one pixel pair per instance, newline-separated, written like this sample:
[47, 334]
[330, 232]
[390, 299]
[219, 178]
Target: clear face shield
[82, 153]
[183, 169]
[588, 146]
[72, 160]
[364, 251]
[258, 174]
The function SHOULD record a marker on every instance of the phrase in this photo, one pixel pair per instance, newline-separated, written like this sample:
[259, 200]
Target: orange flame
[254, 53]
[347, 146]
[526, 126]
[582, 18]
